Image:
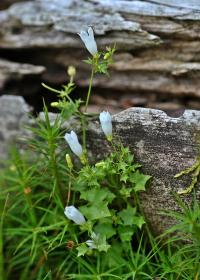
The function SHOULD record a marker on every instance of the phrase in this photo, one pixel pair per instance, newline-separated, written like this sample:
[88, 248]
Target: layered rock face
[157, 45]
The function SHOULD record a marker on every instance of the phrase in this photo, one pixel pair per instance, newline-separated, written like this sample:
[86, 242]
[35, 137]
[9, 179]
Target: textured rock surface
[163, 145]
[157, 41]
[16, 72]
[13, 117]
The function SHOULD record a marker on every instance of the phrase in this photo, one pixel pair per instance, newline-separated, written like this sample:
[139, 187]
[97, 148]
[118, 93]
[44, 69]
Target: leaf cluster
[108, 195]
[102, 60]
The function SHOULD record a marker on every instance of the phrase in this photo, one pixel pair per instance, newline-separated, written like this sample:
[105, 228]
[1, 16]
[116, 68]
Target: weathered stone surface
[12, 71]
[165, 146]
[13, 117]
[157, 42]
[162, 144]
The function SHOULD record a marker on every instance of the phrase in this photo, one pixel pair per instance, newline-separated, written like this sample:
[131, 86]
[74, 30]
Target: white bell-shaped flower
[91, 244]
[74, 144]
[88, 39]
[72, 213]
[106, 124]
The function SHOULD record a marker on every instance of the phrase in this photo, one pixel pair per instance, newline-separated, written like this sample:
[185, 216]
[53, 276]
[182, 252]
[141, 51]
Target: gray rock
[17, 71]
[164, 146]
[157, 42]
[13, 118]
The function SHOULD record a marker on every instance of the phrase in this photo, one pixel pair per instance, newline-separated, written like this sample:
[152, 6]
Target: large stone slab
[165, 146]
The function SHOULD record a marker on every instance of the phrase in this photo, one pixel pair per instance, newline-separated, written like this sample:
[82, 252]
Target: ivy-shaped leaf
[139, 180]
[127, 215]
[102, 244]
[97, 195]
[82, 249]
[138, 221]
[105, 227]
[96, 211]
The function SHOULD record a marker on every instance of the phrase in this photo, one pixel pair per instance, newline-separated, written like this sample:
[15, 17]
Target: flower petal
[72, 213]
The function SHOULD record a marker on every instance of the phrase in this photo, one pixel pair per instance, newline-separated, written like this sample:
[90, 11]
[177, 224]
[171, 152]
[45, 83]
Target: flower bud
[88, 39]
[106, 124]
[106, 56]
[54, 104]
[75, 215]
[71, 71]
[69, 161]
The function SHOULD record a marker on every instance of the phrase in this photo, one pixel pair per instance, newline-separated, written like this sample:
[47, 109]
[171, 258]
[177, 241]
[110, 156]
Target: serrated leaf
[95, 212]
[139, 180]
[127, 215]
[124, 177]
[126, 191]
[82, 249]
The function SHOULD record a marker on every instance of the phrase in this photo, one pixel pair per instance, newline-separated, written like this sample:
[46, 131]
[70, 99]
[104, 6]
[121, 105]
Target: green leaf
[69, 108]
[102, 244]
[82, 249]
[95, 212]
[126, 232]
[138, 221]
[88, 177]
[88, 61]
[139, 180]
[127, 215]
[126, 191]
[103, 247]
[105, 227]
[98, 195]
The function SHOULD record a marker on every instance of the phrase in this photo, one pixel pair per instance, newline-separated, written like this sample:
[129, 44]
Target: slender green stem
[89, 89]
[83, 123]
[69, 187]
[55, 169]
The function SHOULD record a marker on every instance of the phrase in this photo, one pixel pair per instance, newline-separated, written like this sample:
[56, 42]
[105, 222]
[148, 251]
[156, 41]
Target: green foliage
[194, 170]
[105, 202]
[101, 61]
[112, 241]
